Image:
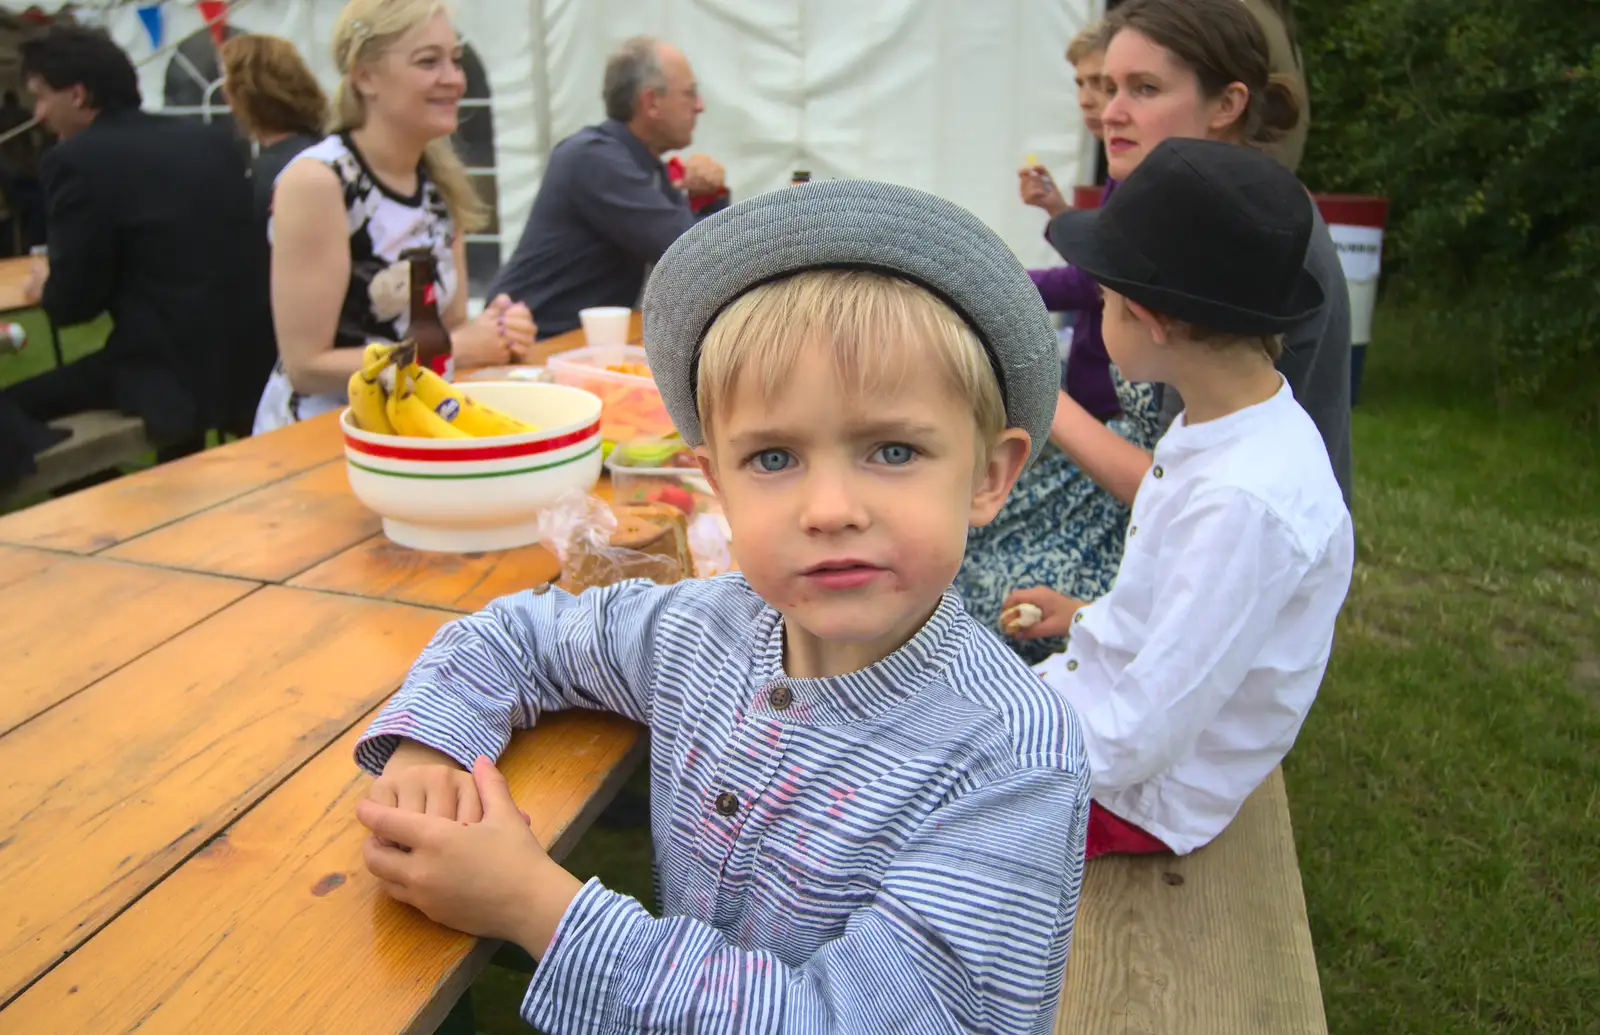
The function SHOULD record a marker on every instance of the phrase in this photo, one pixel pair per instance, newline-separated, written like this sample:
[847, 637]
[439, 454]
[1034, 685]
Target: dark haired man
[148, 219]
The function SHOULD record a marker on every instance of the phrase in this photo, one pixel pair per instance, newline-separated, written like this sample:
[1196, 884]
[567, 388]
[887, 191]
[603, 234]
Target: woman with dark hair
[1058, 527]
[1199, 68]
[276, 102]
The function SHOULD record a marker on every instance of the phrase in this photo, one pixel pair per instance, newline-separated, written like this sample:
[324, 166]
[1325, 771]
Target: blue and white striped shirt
[898, 850]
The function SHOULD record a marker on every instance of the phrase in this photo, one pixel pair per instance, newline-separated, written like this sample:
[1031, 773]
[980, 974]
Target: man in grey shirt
[607, 207]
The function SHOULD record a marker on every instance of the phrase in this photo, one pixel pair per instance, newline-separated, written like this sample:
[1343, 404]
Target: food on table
[673, 496]
[387, 398]
[663, 451]
[630, 402]
[460, 409]
[367, 396]
[650, 541]
[657, 529]
[412, 418]
[1023, 616]
[658, 470]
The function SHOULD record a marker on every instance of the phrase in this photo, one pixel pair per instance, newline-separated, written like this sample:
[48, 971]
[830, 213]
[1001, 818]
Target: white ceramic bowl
[465, 495]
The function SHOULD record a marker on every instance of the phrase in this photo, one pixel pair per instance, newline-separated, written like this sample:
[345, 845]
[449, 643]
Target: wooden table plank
[1213, 943]
[19, 565]
[277, 926]
[14, 273]
[71, 620]
[105, 793]
[458, 581]
[103, 516]
[271, 534]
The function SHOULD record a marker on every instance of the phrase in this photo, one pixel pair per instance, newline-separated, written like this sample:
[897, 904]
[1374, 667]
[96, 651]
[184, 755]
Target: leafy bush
[1480, 121]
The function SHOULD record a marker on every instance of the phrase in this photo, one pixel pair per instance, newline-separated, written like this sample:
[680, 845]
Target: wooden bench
[1213, 943]
[100, 439]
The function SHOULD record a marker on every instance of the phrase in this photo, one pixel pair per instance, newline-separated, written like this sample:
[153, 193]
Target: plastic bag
[577, 528]
[708, 541]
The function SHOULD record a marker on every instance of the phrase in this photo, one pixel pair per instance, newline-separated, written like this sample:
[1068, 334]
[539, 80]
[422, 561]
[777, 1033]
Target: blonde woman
[387, 180]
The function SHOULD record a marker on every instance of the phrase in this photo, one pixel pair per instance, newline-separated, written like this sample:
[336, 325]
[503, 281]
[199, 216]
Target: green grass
[1446, 788]
[38, 356]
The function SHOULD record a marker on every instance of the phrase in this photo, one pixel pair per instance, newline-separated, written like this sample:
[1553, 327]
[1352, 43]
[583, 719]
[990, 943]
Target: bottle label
[430, 294]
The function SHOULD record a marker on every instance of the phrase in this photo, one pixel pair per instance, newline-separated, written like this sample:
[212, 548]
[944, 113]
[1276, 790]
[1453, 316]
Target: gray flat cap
[860, 224]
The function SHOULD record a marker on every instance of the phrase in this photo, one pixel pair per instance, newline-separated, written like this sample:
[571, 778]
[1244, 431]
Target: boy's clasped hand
[454, 845]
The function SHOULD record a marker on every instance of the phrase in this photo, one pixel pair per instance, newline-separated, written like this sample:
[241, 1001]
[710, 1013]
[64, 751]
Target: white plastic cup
[606, 324]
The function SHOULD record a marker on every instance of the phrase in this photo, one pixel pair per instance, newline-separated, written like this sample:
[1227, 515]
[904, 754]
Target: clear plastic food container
[630, 405]
[682, 487]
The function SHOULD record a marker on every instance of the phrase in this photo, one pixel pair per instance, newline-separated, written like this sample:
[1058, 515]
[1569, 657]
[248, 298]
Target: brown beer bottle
[426, 328]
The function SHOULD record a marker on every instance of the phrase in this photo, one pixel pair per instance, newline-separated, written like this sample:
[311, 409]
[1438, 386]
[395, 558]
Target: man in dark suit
[149, 218]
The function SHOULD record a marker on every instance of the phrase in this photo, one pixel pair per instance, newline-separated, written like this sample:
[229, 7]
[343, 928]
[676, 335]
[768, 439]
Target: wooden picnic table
[191, 653]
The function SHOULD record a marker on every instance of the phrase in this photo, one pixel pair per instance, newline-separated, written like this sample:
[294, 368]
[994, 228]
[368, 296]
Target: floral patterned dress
[1058, 529]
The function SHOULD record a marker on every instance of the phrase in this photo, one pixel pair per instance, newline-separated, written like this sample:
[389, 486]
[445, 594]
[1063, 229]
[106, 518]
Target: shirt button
[781, 697]
[1072, 664]
[1133, 530]
[1158, 472]
[727, 804]
[1077, 616]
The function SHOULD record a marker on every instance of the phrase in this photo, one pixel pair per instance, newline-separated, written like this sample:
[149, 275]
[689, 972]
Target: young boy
[868, 814]
[1087, 56]
[1193, 674]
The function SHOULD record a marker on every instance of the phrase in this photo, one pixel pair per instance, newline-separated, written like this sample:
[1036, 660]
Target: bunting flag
[215, 13]
[150, 15]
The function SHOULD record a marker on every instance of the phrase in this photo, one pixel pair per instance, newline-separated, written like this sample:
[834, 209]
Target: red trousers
[1110, 834]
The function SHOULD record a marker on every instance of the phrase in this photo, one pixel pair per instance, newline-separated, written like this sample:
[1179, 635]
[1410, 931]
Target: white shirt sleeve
[1225, 568]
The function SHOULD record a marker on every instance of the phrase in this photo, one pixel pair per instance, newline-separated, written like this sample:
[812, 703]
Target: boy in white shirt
[1192, 676]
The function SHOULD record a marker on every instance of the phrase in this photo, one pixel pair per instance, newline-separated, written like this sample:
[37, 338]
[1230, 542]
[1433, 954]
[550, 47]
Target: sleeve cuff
[575, 988]
[454, 737]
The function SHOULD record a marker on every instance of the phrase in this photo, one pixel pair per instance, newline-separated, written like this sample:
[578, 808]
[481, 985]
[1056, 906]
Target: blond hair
[878, 327]
[1091, 40]
[269, 87]
[364, 30]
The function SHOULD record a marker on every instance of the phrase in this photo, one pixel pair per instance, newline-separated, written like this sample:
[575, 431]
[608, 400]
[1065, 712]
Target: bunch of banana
[393, 395]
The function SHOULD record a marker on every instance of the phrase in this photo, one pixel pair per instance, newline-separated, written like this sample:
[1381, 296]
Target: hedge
[1480, 121]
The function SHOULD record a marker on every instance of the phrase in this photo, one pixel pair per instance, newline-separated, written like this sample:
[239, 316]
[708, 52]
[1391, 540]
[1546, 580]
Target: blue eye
[772, 460]
[896, 454]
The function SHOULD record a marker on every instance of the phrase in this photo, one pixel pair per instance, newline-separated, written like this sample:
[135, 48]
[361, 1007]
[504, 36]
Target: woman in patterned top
[1059, 528]
[346, 209]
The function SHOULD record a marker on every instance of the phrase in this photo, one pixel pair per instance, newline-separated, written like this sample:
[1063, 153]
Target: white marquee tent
[944, 95]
